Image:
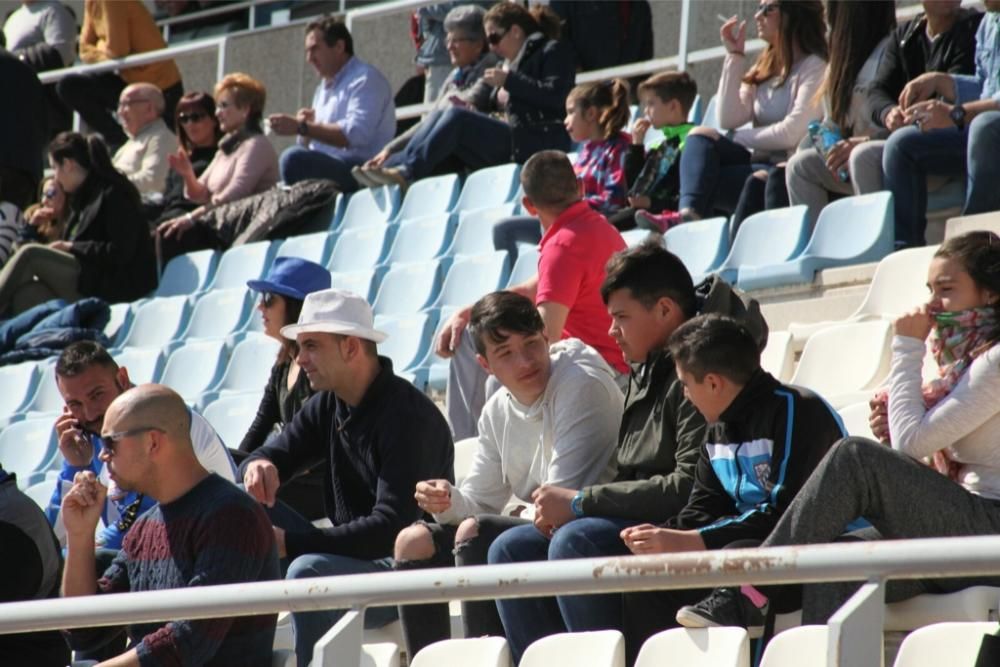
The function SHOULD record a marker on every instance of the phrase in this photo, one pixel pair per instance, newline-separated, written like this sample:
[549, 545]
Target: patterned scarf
[957, 339]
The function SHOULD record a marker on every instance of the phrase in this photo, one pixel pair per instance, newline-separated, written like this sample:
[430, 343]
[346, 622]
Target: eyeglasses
[494, 37]
[194, 117]
[111, 440]
[766, 9]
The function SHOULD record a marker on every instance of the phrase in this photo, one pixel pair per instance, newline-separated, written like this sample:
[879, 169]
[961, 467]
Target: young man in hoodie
[553, 422]
[649, 294]
[762, 442]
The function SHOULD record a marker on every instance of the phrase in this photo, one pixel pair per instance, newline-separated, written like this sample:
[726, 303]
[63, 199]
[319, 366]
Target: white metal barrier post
[855, 630]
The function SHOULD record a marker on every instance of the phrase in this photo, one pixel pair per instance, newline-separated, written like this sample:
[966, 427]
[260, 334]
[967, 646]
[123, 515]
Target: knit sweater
[213, 534]
[244, 165]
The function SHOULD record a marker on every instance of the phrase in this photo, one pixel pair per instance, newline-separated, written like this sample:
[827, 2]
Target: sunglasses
[494, 37]
[50, 193]
[185, 118]
[268, 299]
[765, 10]
[112, 440]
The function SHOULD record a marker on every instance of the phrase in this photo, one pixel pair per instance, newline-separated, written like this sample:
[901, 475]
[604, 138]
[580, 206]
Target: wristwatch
[303, 129]
[577, 504]
[957, 115]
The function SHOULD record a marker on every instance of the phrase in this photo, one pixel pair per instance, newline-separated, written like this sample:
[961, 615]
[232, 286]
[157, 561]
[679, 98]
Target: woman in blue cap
[282, 292]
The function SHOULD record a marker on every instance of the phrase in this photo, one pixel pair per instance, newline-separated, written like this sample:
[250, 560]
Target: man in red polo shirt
[575, 247]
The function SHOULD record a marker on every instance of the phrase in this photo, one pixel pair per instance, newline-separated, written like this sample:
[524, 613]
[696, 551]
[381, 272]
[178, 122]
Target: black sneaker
[725, 607]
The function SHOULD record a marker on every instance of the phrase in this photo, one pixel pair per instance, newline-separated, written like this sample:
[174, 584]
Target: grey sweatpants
[468, 388]
[899, 496]
[809, 182]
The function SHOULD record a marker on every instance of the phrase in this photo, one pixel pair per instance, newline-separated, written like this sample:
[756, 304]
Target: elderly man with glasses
[143, 158]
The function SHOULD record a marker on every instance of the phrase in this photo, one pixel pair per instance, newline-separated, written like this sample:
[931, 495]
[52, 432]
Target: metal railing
[855, 636]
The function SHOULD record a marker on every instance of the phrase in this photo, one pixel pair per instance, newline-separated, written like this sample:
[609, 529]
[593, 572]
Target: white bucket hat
[335, 311]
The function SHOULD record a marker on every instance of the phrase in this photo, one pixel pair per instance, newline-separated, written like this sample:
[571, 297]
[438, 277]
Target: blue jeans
[911, 156]
[713, 174]
[477, 140]
[299, 163]
[528, 619]
[510, 232]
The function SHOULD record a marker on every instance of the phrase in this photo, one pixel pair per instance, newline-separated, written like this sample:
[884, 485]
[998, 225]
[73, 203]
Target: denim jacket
[985, 83]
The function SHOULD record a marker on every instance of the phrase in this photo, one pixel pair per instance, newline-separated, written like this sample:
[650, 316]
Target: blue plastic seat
[710, 118]
[408, 342]
[47, 399]
[950, 195]
[194, 368]
[359, 249]
[118, 324]
[218, 313]
[429, 196]
[370, 206]
[19, 382]
[852, 230]
[339, 206]
[188, 273]
[471, 277]
[143, 364]
[767, 237]
[249, 365]
[435, 369]
[25, 449]
[315, 247]
[421, 239]
[242, 263]
[157, 322]
[231, 416]
[474, 234]
[408, 288]
[489, 187]
[701, 245]
[526, 265]
[359, 282]
[695, 112]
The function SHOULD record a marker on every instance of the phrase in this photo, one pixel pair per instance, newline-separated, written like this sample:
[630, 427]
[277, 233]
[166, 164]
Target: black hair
[289, 346]
[979, 254]
[650, 272]
[539, 18]
[333, 30]
[91, 153]
[499, 312]
[77, 357]
[197, 101]
[717, 344]
[549, 180]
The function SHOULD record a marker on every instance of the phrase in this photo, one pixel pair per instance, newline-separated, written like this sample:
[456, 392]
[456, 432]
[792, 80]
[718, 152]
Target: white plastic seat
[409, 339]
[951, 644]
[359, 282]
[358, 249]
[408, 288]
[143, 364]
[118, 324]
[218, 313]
[41, 493]
[479, 652]
[605, 648]
[465, 454]
[703, 647]
[188, 273]
[526, 265]
[778, 358]
[429, 196]
[805, 645]
[474, 233]
[157, 322]
[239, 264]
[845, 360]
[382, 654]
[855, 418]
[47, 399]
[491, 186]
[18, 382]
[26, 447]
[315, 247]
[194, 368]
[249, 365]
[370, 206]
[472, 277]
[976, 603]
[420, 239]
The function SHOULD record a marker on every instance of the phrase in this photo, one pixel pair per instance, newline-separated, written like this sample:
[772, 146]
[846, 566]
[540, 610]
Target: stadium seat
[429, 196]
[408, 342]
[605, 648]
[143, 364]
[846, 362]
[383, 654]
[474, 234]
[231, 416]
[26, 447]
[852, 230]
[117, 326]
[778, 358]
[359, 282]
[421, 239]
[41, 493]
[437, 367]
[526, 265]
[489, 187]
[634, 237]
[695, 113]
[899, 284]
[194, 368]
[188, 273]
[704, 647]
[472, 276]
[952, 644]
[46, 398]
[764, 238]
[948, 195]
[19, 382]
[359, 249]
[249, 366]
[242, 263]
[158, 321]
[804, 645]
[283, 658]
[710, 118]
[408, 288]
[480, 652]
[370, 206]
[315, 247]
[976, 603]
[218, 313]
[855, 418]
[701, 245]
[465, 454]
[339, 206]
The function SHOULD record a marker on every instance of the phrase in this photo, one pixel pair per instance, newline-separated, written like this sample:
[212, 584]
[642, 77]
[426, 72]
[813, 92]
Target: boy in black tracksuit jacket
[763, 441]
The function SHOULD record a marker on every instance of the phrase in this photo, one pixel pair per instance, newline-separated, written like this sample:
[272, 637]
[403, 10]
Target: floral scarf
[957, 339]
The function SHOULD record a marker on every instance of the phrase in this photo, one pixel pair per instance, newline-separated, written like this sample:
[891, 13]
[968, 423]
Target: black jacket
[755, 459]
[111, 241]
[907, 56]
[537, 105]
[373, 455]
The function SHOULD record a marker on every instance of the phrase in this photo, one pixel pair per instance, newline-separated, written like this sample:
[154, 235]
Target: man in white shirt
[143, 158]
[555, 421]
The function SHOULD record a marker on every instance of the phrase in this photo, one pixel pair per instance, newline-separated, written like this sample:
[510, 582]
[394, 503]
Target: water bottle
[824, 137]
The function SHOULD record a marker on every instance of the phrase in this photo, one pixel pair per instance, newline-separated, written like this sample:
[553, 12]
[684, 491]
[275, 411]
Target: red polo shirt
[572, 256]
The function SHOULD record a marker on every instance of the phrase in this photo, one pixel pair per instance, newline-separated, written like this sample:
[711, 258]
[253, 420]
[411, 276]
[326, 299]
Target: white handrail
[904, 559]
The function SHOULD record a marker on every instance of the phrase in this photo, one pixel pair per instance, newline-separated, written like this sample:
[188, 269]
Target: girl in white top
[777, 96]
[859, 32]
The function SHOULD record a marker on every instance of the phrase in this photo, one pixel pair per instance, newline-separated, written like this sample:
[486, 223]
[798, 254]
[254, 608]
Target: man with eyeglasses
[204, 531]
[143, 158]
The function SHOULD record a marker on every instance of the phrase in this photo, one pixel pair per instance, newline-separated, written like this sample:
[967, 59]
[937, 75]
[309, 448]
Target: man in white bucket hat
[377, 436]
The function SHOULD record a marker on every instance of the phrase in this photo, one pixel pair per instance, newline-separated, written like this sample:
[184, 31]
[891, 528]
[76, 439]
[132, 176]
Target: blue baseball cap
[293, 277]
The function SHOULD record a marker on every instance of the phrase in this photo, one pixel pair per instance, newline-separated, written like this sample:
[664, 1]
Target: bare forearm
[128, 659]
[973, 109]
[79, 577]
[195, 190]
